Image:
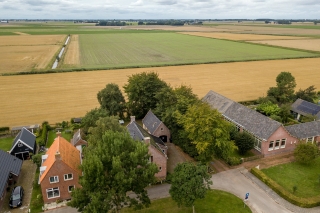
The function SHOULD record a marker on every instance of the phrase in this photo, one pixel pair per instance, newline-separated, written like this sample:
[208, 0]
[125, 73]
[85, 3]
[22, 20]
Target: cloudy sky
[159, 9]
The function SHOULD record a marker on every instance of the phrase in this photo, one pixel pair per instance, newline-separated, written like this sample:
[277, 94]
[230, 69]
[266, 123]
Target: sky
[159, 9]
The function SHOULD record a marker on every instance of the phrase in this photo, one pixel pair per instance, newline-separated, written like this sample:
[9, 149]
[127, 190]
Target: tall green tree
[111, 99]
[189, 182]
[207, 129]
[141, 90]
[115, 166]
[244, 142]
[309, 94]
[305, 153]
[89, 120]
[284, 91]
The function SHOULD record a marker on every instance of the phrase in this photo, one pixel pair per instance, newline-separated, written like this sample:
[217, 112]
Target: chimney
[147, 140]
[58, 134]
[133, 118]
[57, 155]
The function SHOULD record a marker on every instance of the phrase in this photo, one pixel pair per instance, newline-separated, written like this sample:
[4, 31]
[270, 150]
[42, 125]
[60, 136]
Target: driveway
[175, 156]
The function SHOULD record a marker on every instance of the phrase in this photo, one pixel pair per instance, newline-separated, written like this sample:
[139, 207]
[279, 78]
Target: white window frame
[66, 175]
[56, 179]
[271, 148]
[52, 190]
[275, 144]
[308, 140]
[285, 141]
[71, 189]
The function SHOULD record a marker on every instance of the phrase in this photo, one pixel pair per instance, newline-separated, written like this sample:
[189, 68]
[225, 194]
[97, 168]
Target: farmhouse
[77, 139]
[157, 149]
[304, 108]
[24, 144]
[10, 167]
[59, 172]
[271, 137]
[155, 127]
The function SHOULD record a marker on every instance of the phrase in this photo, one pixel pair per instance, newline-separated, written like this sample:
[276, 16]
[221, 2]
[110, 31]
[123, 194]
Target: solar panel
[309, 108]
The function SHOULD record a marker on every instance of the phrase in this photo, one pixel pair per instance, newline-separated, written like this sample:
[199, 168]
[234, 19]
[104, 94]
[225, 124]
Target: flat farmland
[72, 55]
[60, 96]
[241, 37]
[25, 53]
[307, 44]
[160, 49]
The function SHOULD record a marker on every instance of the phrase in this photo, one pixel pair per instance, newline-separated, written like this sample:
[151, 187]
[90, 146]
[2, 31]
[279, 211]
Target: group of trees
[111, 23]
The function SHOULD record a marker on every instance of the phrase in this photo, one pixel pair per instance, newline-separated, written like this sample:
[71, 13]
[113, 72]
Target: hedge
[3, 129]
[298, 201]
[44, 133]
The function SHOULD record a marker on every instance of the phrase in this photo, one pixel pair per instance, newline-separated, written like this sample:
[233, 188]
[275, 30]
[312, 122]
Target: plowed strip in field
[307, 44]
[32, 99]
[25, 58]
[31, 40]
[72, 55]
[20, 33]
[241, 37]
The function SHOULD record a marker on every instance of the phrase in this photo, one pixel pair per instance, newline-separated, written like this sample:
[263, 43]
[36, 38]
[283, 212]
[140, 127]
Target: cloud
[166, 2]
[137, 3]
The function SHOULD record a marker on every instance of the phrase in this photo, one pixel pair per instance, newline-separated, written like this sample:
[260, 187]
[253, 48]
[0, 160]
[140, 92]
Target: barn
[24, 144]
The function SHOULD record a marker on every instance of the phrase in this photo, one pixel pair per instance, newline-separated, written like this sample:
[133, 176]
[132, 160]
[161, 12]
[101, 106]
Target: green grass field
[6, 143]
[52, 135]
[306, 178]
[160, 49]
[215, 202]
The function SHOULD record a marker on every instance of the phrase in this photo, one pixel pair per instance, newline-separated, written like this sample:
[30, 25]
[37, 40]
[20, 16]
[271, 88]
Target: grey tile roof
[76, 137]
[138, 133]
[151, 121]
[306, 108]
[26, 136]
[8, 164]
[259, 125]
[305, 130]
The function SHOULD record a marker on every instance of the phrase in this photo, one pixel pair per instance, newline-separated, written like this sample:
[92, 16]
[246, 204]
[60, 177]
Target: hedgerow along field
[161, 49]
[60, 96]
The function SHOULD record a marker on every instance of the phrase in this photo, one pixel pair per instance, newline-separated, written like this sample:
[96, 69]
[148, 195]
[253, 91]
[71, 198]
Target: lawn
[215, 202]
[160, 49]
[6, 143]
[52, 135]
[36, 202]
[305, 178]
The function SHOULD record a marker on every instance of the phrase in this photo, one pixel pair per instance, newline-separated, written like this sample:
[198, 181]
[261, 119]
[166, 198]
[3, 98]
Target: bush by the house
[306, 153]
[233, 161]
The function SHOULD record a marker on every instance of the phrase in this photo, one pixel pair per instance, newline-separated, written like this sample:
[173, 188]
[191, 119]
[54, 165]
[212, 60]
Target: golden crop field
[29, 99]
[72, 55]
[306, 44]
[28, 52]
[241, 37]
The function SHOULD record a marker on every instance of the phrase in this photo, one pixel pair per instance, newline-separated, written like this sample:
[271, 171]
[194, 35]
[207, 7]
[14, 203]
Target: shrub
[305, 153]
[37, 159]
[244, 142]
[4, 129]
[233, 161]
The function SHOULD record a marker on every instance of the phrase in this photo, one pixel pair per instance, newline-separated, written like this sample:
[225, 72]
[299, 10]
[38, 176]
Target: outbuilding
[24, 144]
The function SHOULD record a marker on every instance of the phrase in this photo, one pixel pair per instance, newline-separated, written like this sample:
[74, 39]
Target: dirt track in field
[30, 99]
[307, 44]
[73, 53]
[241, 37]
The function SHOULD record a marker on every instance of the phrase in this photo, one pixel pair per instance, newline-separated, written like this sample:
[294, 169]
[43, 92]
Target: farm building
[32, 128]
[24, 144]
[156, 127]
[304, 108]
[77, 139]
[271, 137]
[59, 171]
[10, 167]
[157, 149]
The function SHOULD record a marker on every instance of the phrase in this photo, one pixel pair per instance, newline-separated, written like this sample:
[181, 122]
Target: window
[160, 169]
[53, 192]
[151, 158]
[309, 140]
[68, 177]
[161, 129]
[54, 179]
[70, 188]
[163, 150]
[283, 143]
[271, 145]
[277, 145]
[20, 144]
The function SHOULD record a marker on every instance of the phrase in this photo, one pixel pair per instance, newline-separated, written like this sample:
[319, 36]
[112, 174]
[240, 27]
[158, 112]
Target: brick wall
[162, 130]
[160, 160]
[59, 168]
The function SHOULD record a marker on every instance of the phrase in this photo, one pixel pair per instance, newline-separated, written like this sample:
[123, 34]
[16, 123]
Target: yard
[305, 177]
[6, 143]
[215, 202]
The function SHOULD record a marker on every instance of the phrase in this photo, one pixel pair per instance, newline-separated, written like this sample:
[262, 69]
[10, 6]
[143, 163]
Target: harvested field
[57, 97]
[163, 49]
[307, 44]
[25, 58]
[32, 40]
[72, 55]
[242, 37]
[20, 33]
